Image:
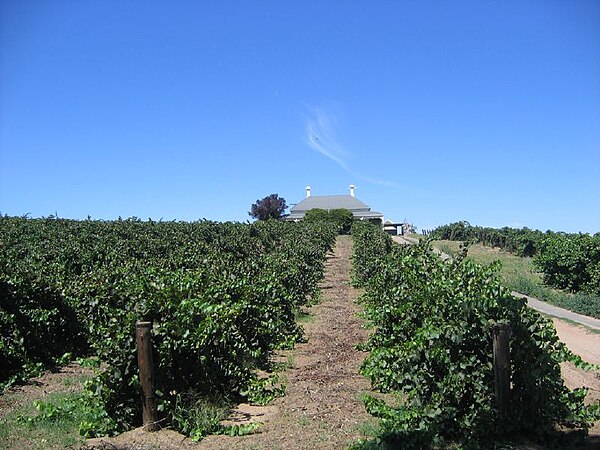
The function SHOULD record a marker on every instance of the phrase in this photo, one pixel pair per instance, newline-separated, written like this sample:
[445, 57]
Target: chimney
[307, 191]
[352, 190]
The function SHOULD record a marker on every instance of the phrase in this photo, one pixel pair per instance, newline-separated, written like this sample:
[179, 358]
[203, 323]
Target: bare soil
[40, 387]
[586, 344]
[579, 339]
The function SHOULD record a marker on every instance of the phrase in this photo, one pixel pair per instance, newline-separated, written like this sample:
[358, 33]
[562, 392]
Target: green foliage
[37, 324]
[344, 218]
[433, 345]
[316, 215]
[51, 423]
[90, 362]
[263, 391]
[243, 429]
[571, 262]
[519, 274]
[370, 248]
[221, 298]
[198, 416]
[341, 218]
[582, 303]
[568, 261]
[522, 242]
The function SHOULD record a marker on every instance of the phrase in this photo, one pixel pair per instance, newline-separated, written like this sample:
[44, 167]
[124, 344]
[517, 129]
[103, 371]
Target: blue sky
[486, 111]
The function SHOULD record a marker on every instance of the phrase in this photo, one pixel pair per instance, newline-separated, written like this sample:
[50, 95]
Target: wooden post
[501, 368]
[146, 367]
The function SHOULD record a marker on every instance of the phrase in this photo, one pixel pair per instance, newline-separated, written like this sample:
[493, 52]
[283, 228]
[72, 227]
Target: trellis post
[146, 368]
[500, 333]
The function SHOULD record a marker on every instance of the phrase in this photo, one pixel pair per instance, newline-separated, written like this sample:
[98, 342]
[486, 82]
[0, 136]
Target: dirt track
[580, 340]
[586, 344]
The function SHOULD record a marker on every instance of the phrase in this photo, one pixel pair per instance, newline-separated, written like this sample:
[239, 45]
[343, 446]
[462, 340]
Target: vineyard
[432, 346]
[221, 297]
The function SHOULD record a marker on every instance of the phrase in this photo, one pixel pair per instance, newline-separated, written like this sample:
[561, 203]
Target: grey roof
[330, 202]
[367, 214]
[359, 209]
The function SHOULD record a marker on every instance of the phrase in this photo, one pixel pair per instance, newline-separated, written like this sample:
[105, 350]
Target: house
[359, 210]
[391, 228]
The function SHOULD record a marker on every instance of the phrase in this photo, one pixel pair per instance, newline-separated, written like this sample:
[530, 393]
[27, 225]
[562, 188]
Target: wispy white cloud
[320, 136]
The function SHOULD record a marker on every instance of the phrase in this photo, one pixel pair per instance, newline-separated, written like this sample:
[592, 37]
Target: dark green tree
[270, 207]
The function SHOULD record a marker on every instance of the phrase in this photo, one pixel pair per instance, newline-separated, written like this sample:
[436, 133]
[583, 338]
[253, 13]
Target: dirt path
[586, 344]
[579, 340]
[323, 405]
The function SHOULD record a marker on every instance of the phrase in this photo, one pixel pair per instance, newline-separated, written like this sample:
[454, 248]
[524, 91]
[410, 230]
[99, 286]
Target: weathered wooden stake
[146, 367]
[501, 368]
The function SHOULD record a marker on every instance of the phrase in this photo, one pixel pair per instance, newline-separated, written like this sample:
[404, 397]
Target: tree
[271, 207]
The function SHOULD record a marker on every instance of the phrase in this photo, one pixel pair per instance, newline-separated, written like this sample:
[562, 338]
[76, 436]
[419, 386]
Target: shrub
[571, 262]
[341, 218]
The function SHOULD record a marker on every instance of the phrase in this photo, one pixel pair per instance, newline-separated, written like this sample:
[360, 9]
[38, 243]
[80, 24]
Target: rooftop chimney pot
[352, 190]
[307, 191]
